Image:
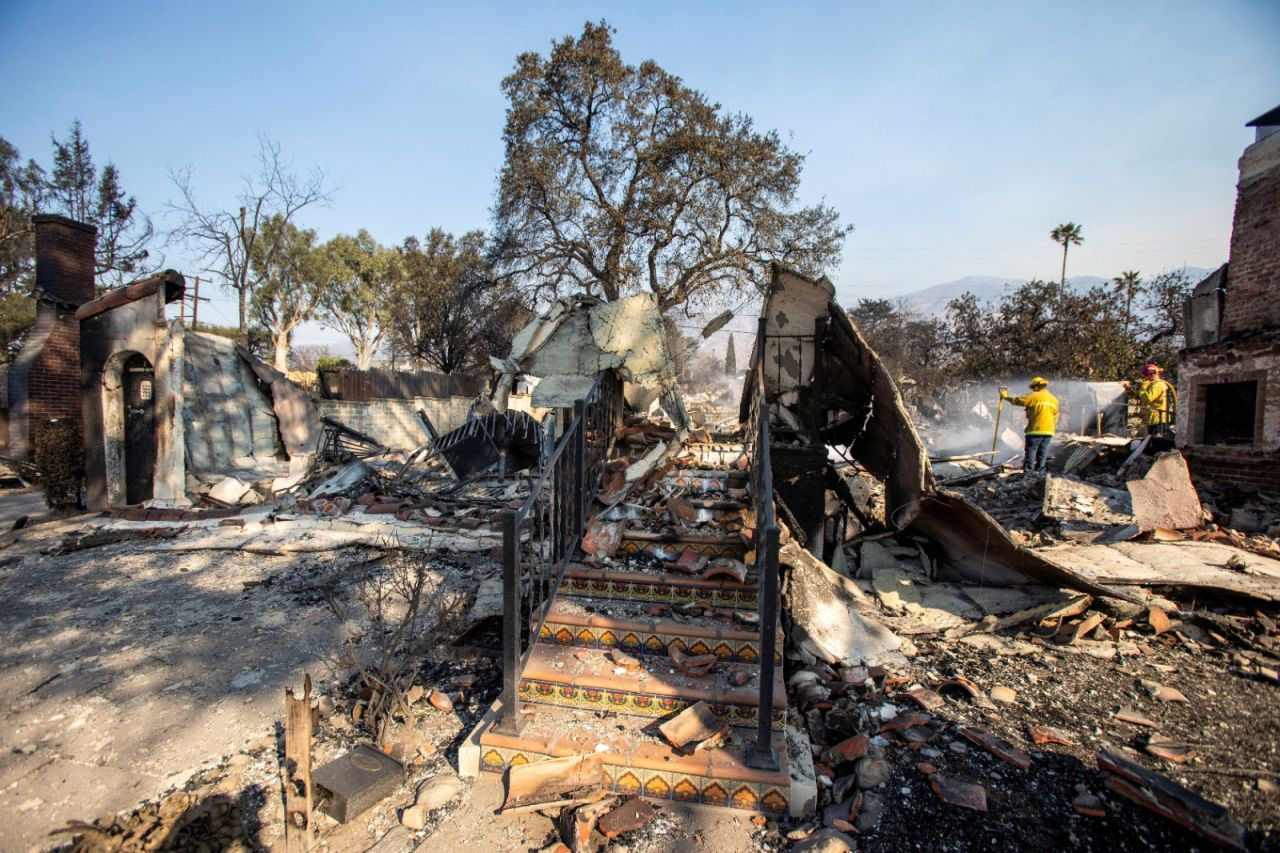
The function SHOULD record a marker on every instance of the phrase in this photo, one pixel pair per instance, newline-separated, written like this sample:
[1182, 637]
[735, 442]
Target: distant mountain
[932, 301]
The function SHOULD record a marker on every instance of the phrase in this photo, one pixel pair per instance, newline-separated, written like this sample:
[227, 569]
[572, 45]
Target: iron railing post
[580, 466]
[512, 641]
[762, 755]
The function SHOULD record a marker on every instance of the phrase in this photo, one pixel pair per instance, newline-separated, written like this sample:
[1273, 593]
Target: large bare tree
[231, 241]
[621, 178]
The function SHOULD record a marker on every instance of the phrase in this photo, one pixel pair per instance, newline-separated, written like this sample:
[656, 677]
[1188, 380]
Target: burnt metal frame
[762, 754]
[554, 516]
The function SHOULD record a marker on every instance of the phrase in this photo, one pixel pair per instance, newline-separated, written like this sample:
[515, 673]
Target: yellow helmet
[1039, 382]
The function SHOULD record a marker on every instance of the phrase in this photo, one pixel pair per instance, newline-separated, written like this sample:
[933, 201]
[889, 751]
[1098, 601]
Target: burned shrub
[59, 458]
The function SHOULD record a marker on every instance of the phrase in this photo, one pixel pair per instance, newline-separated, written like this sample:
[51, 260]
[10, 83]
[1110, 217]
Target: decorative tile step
[587, 679]
[639, 762]
[611, 623]
[661, 587]
[667, 547]
[702, 480]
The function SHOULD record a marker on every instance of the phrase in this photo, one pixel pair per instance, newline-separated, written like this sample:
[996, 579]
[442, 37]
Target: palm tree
[1128, 284]
[1067, 234]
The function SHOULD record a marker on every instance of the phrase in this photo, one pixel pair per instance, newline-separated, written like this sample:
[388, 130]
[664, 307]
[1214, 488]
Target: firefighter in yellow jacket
[1155, 398]
[1042, 420]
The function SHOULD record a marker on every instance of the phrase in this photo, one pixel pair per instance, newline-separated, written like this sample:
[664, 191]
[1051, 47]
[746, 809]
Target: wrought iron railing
[539, 538]
[765, 538]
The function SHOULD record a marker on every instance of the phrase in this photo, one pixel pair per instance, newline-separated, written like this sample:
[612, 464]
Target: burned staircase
[598, 676]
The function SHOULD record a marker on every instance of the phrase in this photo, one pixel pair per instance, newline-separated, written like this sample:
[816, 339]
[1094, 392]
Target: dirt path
[123, 673]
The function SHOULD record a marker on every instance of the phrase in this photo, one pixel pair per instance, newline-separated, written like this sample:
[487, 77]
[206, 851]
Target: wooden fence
[360, 385]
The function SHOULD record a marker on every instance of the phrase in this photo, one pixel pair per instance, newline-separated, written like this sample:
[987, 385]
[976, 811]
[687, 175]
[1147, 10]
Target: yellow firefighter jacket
[1042, 411]
[1155, 401]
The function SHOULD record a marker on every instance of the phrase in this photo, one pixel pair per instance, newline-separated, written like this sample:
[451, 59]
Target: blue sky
[953, 136]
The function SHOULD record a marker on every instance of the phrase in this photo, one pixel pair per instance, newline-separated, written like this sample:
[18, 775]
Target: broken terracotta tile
[727, 568]
[1162, 692]
[695, 665]
[628, 817]
[1169, 750]
[440, 700]
[848, 749]
[1083, 628]
[927, 699]
[1089, 805]
[998, 747]
[962, 685]
[739, 677]
[655, 609]
[964, 794]
[1129, 715]
[926, 768]
[1166, 797]
[1158, 619]
[696, 727]
[747, 617]
[690, 562]
[1043, 734]
[904, 721]
[576, 825]
[602, 537]
[1004, 695]
[631, 663]
[561, 782]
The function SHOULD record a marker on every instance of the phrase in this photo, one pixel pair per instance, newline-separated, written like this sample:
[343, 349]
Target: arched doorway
[137, 386]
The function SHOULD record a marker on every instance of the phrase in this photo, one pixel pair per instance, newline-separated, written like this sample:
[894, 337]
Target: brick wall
[53, 381]
[1253, 282]
[64, 258]
[1235, 465]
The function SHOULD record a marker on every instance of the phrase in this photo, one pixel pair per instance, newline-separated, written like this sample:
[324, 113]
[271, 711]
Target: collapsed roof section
[581, 336]
[824, 378]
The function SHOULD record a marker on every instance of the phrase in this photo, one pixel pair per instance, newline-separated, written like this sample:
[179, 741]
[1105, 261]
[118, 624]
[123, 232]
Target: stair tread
[591, 668]
[580, 570]
[626, 615]
[627, 741]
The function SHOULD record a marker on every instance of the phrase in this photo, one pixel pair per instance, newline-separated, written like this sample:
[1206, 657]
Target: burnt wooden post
[580, 467]
[299, 834]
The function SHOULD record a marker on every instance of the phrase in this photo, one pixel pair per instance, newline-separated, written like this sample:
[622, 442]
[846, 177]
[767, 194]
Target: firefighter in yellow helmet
[1042, 420]
[1156, 399]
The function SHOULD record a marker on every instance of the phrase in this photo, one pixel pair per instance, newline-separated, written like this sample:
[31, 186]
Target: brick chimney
[64, 259]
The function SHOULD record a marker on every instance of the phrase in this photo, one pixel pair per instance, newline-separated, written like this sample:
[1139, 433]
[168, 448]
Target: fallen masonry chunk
[1166, 797]
[1004, 695]
[998, 747]
[440, 700]
[628, 817]
[697, 727]
[560, 782]
[695, 665]
[1044, 734]
[967, 795]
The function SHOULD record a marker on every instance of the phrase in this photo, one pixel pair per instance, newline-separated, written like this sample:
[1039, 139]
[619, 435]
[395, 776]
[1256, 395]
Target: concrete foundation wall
[395, 423]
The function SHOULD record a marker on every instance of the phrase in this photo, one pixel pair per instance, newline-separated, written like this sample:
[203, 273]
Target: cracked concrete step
[638, 761]
[588, 679]
[618, 623]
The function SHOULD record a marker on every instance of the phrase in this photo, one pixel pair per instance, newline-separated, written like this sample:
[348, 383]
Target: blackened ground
[1231, 718]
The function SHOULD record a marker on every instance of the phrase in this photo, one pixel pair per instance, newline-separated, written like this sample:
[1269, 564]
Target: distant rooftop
[1267, 124]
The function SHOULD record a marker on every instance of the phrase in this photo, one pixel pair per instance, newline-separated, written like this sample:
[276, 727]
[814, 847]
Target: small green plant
[59, 458]
[331, 362]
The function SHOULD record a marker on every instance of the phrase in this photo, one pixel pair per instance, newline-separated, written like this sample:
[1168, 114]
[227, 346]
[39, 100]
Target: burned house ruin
[1229, 373]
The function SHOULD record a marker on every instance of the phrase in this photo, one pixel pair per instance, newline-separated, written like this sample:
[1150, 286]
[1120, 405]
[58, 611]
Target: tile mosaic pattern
[659, 589]
[638, 704]
[663, 785]
[672, 550]
[653, 642]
